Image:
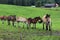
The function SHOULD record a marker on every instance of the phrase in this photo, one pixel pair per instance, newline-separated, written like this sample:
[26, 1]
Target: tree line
[30, 2]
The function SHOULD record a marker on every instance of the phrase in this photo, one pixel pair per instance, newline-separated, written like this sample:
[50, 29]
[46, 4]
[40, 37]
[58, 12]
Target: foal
[31, 21]
[47, 20]
[34, 21]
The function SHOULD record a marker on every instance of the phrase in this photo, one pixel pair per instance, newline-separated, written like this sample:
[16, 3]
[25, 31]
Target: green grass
[13, 33]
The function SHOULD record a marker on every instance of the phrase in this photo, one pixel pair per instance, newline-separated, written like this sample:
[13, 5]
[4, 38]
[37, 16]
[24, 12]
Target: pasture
[18, 33]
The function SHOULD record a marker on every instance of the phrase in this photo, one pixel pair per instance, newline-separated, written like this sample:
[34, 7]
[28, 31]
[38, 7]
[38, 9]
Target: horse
[3, 18]
[11, 18]
[47, 21]
[21, 19]
[34, 21]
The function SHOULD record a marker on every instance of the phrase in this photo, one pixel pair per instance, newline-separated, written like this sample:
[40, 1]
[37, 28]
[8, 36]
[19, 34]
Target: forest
[29, 2]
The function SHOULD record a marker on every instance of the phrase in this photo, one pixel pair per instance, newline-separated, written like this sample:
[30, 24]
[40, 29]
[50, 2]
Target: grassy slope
[28, 12]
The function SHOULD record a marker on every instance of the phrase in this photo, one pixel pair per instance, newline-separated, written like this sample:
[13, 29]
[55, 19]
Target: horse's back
[21, 19]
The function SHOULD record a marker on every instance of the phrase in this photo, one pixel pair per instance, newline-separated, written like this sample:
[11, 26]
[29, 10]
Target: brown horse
[11, 18]
[47, 20]
[34, 21]
[3, 18]
[31, 21]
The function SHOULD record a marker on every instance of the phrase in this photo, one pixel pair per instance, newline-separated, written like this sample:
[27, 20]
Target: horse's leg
[2, 21]
[8, 22]
[46, 26]
[23, 24]
[13, 23]
[27, 25]
[18, 23]
[43, 26]
[49, 27]
[34, 26]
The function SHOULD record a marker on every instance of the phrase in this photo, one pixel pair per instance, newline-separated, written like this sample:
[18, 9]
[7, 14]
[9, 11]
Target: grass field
[18, 33]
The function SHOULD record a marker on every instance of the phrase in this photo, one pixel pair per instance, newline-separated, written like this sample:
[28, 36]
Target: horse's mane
[47, 15]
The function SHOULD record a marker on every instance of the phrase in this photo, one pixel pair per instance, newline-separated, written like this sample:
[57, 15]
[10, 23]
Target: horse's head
[39, 19]
[47, 15]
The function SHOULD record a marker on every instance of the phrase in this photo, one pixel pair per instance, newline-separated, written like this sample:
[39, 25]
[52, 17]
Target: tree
[38, 4]
[10, 1]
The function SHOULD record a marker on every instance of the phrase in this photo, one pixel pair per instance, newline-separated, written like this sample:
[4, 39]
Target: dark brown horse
[34, 21]
[11, 18]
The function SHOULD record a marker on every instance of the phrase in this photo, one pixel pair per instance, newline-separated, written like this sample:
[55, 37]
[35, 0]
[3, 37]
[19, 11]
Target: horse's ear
[48, 15]
[38, 16]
